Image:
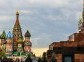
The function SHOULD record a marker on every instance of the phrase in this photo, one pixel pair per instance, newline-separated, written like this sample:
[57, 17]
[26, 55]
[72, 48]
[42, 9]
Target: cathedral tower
[81, 21]
[3, 38]
[9, 41]
[27, 42]
[17, 33]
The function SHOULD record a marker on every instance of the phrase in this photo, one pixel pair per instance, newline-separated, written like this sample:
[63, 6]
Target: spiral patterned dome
[9, 35]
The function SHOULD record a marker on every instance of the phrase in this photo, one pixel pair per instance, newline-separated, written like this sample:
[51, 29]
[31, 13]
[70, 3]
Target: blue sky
[47, 20]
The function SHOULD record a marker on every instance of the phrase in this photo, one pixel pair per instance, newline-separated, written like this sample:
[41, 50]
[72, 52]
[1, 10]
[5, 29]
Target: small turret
[27, 34]
[3, 35]
[9, 43]
[9, 35]
[3, 38]
[9, 38]
[27, 42]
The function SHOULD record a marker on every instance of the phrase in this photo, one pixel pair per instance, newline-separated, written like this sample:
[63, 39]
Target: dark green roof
[3, 35]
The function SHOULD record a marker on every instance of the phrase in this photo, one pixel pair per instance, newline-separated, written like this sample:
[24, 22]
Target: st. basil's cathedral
[15, 44]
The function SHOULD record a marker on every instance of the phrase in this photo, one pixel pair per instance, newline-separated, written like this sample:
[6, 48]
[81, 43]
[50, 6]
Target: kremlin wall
[71, 50]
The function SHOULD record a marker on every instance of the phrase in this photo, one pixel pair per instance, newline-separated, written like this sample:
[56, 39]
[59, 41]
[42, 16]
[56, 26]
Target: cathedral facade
[14, 43]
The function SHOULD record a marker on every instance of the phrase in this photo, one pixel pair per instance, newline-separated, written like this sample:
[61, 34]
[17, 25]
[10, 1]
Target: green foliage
[28, 59]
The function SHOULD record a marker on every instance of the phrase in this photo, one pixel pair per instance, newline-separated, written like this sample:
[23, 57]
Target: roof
[9, 35]
[3, 35]
[17, 24]
[27, 34]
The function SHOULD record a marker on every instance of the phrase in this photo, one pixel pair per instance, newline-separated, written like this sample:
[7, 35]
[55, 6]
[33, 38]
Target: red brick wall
[79, 57]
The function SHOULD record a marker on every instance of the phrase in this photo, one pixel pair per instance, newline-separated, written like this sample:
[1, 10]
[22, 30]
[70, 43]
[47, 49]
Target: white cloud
[5, 18]
[49, 2]
[35, 3]
[26, 11]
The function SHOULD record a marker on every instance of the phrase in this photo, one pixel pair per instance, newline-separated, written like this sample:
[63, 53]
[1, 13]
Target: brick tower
[17, 32]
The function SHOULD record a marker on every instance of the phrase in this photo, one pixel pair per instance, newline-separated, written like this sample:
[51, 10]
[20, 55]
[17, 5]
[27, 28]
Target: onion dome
[27, 43]
[9, 35]
[27, 34]
[3, 35]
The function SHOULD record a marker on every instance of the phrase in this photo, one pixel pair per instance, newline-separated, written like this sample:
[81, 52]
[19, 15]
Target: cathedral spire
[17, 29]
[17, 32]
[17, 19]
[17, 15]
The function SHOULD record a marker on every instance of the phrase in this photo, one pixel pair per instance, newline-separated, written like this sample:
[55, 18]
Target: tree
[44, 57]
[39, 59]
[34, 58]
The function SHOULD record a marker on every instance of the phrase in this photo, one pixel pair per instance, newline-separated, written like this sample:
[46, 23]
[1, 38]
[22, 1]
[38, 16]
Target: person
[28, 59]
[17, 60]
[34, 59]
[39, 59]
[44, 59]
[53, 59]
[0, 59]
[10, 60]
